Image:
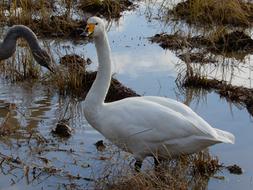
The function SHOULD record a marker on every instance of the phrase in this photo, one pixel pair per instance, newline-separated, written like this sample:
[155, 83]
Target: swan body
[8, 46]
[144, 126]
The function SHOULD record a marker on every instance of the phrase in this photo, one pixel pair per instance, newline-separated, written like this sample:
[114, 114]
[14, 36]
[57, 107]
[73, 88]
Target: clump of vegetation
[186, 172]
[62, 129]
[41, 17]
[77, 84]
[178, 42]
[235, 169]
[236, 94]
[170, 41]
[200, 57]
[21, 67]
[109, 8]
[233, 42]
[213, 12]
[218, 42]
[45, 19]
[74, 80]
[74, 61]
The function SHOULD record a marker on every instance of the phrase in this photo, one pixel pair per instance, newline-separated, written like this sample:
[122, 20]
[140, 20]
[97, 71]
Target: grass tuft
[186, 172]
[221, 12]
[21, 67]
[109, 8]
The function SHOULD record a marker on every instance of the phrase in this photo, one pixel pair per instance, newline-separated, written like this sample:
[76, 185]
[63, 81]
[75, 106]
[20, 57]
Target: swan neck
[99, 89]
[8, 46]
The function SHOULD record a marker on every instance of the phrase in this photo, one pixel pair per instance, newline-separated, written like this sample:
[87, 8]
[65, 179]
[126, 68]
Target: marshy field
[195, 51]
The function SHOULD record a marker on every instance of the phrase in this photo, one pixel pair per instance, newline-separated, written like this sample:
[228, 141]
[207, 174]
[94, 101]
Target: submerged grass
[187, 172]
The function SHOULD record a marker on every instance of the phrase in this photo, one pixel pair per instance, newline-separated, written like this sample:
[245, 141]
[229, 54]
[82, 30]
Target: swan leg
[137, 165]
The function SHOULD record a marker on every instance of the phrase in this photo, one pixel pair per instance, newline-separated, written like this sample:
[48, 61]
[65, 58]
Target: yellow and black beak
[89, 29]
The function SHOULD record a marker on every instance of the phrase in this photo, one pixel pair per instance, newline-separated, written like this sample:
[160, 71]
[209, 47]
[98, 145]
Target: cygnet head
[44, 59]
[95, 27]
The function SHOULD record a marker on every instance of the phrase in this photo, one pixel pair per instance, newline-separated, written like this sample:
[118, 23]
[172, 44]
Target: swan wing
[188, 113]
[147, 121]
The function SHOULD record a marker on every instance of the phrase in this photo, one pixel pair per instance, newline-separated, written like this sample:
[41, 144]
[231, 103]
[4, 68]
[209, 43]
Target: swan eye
[96, 23]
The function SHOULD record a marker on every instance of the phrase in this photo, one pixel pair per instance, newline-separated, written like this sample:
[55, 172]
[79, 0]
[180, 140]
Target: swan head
[95, 27]
[44, 59]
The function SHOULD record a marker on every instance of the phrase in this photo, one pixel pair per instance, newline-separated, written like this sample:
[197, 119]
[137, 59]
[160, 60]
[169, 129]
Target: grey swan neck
[8, 46]
[97, 93]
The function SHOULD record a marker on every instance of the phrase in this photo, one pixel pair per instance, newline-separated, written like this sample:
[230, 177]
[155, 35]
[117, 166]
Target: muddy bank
[225, 44]
[55, 18]
[237, 13]
[117, 90]
[108, 8]
[74, 61]
[73, 79]
[235, 94]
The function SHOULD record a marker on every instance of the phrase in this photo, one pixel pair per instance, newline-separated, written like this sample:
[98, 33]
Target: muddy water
[32, 110]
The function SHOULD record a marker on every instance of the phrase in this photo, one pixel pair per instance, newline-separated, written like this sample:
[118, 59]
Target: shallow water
[33, 110]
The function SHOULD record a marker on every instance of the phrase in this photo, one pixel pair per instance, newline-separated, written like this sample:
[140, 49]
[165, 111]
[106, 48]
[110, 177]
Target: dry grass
[78, 83]
[38, 16]
[109, 8]
[220, 41]
[212, 12]
[237, 94]
[69, 81]
[194, 77]
[187, 172]
[46, 20]
[21, 66]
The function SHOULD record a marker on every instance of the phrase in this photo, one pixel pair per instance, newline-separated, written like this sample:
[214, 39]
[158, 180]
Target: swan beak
[89, 29]
[51, 68]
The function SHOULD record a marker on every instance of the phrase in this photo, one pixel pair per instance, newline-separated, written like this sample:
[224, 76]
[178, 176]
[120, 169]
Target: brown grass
[233, 93]
[109, 8]
[212, 12]
[221, 41]
[187, 172]
[42, 18]
[21, 66]
[238, 95]
[78, 83]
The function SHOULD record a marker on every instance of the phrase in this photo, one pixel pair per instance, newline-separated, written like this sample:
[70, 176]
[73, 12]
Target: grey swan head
[8, 46]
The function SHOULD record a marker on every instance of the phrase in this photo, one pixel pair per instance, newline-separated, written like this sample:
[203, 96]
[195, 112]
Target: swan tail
[225, 136]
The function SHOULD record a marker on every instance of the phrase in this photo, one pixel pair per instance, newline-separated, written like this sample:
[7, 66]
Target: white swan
[144, 126]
